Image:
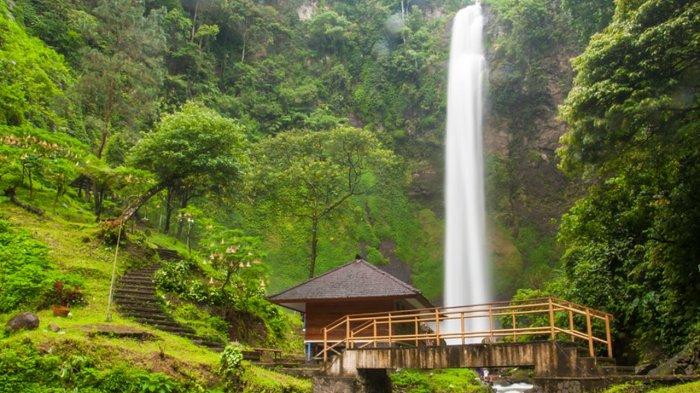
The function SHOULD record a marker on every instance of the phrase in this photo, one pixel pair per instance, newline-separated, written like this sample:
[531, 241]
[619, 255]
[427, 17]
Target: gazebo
[354, 288]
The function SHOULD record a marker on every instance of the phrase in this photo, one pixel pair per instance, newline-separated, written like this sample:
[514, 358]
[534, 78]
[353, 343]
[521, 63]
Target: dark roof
[356, 279]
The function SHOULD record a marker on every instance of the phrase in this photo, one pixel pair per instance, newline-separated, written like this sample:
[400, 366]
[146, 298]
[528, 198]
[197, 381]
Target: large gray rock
[25, 320]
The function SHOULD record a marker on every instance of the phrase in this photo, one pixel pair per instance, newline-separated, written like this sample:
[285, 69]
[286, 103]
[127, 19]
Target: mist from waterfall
[467, 276]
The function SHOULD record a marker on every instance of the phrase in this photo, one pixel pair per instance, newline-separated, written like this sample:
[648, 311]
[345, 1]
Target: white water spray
[467, 278]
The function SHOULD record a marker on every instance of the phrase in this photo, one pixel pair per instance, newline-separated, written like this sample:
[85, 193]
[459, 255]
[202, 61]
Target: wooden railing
[545, 318]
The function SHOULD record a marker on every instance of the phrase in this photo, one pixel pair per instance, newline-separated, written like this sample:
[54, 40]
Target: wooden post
[390, 333]
[461, 325]
[551, 320]
[571, 325]
[374, 331]
[325, 345]
[589, 330]
[347, 331]
[415, 327]
[437, 327]
[513, 319]
[608, 335]
[491, 324]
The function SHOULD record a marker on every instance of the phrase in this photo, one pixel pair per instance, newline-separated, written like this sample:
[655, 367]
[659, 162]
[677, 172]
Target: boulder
[54, 328]
[25, 320]
[685, 362]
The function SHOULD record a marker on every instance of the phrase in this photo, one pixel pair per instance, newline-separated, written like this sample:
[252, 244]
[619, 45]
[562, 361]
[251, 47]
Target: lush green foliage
[232, 366]
[27, 277]
[24, 368]
[631, 242]
[636, 387]
[438, 381]
[32, 77]
[310, 175]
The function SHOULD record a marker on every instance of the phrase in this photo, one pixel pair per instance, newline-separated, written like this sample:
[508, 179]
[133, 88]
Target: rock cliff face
[526, 193]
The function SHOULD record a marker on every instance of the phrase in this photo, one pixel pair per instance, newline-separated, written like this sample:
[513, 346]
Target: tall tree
[311, 175]
[194, 144]
[121, 74]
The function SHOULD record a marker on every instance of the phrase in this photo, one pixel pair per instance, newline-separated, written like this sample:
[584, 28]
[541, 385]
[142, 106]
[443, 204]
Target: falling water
[467, 276]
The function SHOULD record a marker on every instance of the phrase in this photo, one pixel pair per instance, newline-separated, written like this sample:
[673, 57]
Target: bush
[438, 381]
[231, 367]
[27, 277]
[24, 369]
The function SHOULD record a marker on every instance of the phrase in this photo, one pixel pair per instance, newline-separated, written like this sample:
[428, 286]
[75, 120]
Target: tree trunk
[184, 198]
[132, 208]
[314, 247]
[98, 196]
[168, 210]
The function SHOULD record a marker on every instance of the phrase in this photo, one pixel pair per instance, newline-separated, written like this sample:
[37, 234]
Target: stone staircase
[136, 298]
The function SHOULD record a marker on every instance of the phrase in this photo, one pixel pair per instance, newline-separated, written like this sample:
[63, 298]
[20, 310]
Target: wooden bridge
[514, 337]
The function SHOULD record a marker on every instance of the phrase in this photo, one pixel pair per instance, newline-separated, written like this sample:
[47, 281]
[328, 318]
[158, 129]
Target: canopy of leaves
[194, 143]
[631, 243]
[309, 173]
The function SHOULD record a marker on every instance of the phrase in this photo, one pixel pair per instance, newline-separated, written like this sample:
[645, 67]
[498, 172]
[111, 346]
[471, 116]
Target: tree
[310, 175]
[632, 244]
[122, 72]
[194, 143]
[235, 256]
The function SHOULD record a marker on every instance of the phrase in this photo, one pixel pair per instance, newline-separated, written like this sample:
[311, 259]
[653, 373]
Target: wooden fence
[545, 318]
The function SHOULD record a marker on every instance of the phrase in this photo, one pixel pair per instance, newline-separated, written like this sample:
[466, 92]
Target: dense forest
[268, 141]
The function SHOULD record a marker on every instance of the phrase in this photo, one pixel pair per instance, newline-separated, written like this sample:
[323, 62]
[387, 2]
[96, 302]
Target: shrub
[23, 368]
[438, 381]
[231, 367]
[27, 277]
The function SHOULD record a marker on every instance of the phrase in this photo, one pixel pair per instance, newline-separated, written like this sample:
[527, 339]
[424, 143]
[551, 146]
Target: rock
[644, 368]
[685, 362]
[54, 328]
[25, 320]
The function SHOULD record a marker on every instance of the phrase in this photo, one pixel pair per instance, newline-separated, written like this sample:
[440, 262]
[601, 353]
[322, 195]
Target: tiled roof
[356, 279]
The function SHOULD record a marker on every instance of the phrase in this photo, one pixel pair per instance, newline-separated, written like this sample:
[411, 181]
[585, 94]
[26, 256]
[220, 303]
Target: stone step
[169, 254]
[155, 316]
[179, 330]
[136, 300]
[137, 277]
[160, 322]
[136, 280]
[139, 308]
[139, 287]
[135, 291]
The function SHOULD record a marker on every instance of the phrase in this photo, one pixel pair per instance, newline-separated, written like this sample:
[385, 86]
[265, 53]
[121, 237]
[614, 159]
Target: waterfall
[467, 277]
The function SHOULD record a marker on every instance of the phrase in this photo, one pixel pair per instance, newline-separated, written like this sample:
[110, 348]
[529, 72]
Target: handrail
[404, 327]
